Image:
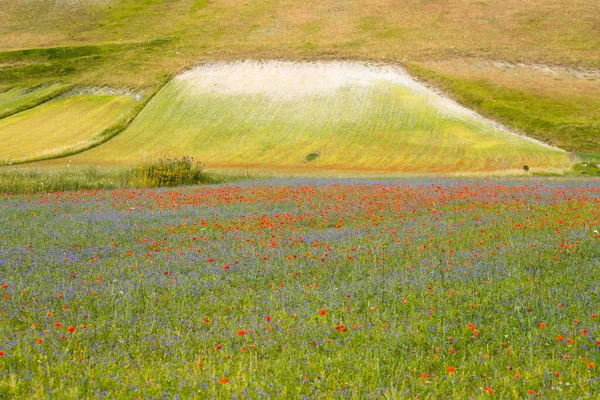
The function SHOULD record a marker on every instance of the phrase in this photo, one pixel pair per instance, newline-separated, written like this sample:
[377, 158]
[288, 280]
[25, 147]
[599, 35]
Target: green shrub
[586, 169]
[172, 172]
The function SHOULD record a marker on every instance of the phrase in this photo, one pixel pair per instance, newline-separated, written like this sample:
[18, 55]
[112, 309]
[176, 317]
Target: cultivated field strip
[61, 125]
[15, 100]
[316, 117]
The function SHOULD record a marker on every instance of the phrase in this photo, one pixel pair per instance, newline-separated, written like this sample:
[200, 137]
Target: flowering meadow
[303, 289]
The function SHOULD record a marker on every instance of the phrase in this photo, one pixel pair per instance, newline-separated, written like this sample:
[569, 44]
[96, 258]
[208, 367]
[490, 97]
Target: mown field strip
[316, 117]
[16, 100]
[63, 124]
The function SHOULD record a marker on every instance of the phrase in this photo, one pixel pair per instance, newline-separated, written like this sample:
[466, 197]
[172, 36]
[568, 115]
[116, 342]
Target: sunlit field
[320, 289]
[66, 124]
[531, 65]
[15, 100]
[293, 117]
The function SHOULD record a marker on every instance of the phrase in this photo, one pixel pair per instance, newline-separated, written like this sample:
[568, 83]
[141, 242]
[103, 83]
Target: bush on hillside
[172, 172]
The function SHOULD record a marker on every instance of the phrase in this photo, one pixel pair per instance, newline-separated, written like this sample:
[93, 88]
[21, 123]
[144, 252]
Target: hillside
[65, 124]
[310, 117]
[532, 66]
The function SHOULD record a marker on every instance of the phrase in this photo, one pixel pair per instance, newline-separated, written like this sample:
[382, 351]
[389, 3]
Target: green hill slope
[317, 116]
[15, 100]
[533, 66]
[66, 124]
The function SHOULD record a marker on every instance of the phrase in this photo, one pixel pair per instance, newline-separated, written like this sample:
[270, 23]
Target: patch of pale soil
[108, 91]
[548, 69]
[518, 68]
[287, 80]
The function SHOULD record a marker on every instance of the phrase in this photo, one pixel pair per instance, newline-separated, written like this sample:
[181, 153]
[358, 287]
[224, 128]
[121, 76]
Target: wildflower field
[303, 289]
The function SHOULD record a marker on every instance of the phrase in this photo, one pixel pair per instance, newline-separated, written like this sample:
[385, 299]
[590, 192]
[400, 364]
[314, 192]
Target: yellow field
[19, 99]
[317, 117]
[60, 126]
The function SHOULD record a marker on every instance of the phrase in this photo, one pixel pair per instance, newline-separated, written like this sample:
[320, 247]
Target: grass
[60, 126]
[146, 41]
[586, 157]
[384, 29]
[384, 128]
[78, 64]
[586, 169]
[68, 177]
[285, 289]
[35, 180]
[569, 122]
[15, 100]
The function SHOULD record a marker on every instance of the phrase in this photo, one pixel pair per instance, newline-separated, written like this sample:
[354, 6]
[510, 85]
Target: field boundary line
[38, 102]
[103, 137]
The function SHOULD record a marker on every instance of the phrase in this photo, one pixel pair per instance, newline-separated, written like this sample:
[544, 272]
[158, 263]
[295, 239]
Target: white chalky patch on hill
[282, 80]
[287, 80]
[290, 79]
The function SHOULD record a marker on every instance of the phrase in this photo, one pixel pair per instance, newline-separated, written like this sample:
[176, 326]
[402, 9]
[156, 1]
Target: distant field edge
[99, 139]
[560, 124]
[275, 117]
[60, 90]
[589, 157]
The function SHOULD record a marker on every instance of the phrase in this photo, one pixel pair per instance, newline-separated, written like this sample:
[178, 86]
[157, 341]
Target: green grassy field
[61, 126]
[552, 98]
[15, 100]
[267, 117]
[570, 120]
